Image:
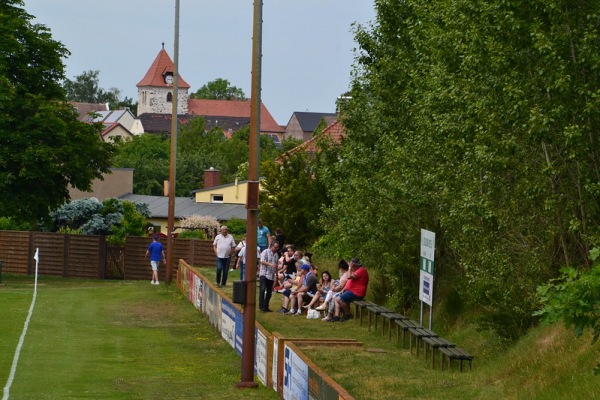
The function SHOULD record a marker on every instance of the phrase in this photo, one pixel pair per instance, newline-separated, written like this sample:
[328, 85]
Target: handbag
[313, 314]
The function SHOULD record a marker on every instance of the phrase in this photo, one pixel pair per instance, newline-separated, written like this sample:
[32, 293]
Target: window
[169, 97]
[216, 198]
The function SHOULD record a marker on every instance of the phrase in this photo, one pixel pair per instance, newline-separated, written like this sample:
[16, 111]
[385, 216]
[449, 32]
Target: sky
[307, 45]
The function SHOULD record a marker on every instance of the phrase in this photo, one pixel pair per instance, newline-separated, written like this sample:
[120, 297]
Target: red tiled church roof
[155, 76]
[233, 108]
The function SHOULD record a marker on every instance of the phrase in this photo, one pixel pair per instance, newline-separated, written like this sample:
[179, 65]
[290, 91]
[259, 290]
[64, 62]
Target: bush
[237, 227]
[192, 234]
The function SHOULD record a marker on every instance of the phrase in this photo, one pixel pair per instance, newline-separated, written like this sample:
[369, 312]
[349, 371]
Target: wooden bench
[435, 343]
[418, 334]
[405, 325]
[391, 317]
[359, 306]
[454, 353]
[375, 310]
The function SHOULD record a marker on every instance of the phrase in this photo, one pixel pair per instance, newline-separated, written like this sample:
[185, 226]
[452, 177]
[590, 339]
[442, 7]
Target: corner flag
[37, 254]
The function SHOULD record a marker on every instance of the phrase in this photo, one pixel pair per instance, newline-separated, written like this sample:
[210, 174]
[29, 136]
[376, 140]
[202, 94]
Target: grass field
[113, 340]
[131, 340]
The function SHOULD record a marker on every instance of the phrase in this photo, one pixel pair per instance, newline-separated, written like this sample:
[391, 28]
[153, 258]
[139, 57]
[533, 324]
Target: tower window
[169, 97]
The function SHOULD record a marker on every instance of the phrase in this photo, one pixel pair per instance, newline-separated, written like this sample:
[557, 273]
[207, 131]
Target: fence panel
[52, 253]
[85, 255]
[14, 251]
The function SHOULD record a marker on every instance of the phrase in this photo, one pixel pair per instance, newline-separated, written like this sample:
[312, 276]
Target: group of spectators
[288, 271]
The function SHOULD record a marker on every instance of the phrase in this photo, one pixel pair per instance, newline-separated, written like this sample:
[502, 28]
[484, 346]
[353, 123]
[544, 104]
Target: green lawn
[113, 340]
[131, 340]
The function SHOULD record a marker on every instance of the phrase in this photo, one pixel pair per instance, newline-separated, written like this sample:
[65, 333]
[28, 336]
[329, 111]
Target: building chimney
[212, 177]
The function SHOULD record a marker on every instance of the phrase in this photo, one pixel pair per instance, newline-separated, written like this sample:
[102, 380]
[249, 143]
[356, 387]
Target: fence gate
[115, 262]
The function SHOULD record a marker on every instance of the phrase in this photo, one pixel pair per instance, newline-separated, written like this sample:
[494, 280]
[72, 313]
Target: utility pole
[252, 205]
[173, 158]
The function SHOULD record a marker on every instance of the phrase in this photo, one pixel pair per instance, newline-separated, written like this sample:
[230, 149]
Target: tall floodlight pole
[173, 158]
[252, 205]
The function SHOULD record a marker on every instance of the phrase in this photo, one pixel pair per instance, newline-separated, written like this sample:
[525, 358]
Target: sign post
[426, 275]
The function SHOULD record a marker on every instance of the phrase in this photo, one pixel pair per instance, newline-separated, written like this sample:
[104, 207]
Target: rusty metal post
[173, 158]
[252, 205]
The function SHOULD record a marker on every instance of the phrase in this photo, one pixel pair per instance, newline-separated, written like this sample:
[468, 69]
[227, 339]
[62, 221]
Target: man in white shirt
[223, 245]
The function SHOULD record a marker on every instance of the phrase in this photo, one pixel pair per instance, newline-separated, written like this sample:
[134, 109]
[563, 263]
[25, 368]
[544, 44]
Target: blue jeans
[222, 268]
[242, 268]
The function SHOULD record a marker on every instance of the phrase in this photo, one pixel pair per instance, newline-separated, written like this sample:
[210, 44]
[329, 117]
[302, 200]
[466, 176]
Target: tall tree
[86, 88]
[219, 89]
[476, 120]
[149, 155]
[44, 149]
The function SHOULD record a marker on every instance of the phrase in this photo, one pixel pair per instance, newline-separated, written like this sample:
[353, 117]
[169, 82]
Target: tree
[149, 155]
[113, 217]
[44, 149]
[487, 139]
[219, 89]
[86, 88]
[293, 197]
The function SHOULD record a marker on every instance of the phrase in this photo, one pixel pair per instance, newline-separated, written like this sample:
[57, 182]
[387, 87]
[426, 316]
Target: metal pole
[173, 158]
[251, 202]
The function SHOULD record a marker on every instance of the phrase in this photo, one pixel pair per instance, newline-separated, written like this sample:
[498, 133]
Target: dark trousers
[222, 268]
[265, 290]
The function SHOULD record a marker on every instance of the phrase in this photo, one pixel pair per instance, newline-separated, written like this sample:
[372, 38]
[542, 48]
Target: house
[114, 184]
[155, 104]
[117, 123]
[184, 206]
[302, 125]
[119, 184]
[85, 110]
[334, 133]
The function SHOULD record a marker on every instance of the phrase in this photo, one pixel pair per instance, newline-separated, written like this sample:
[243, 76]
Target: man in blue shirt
[157, 253]
[263, 236]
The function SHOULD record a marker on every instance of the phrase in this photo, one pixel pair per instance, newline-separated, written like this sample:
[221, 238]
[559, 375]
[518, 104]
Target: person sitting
[305, 292]
[296, 282]
[356, 289]
[287, 272]
[322, 289]
[336, 291]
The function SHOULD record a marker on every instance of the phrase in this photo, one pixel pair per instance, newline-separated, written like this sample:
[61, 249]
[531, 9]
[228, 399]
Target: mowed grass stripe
[120, 340]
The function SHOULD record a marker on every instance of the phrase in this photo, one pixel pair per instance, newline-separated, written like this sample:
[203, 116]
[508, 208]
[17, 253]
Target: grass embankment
[132, 340]
[549, 363]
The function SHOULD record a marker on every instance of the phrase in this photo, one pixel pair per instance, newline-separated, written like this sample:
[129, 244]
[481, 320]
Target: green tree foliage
[86, 88]
[292, 197]
[149, 155]
[219, 89]
[475, 120]
[44, 149]
[573, 298]
[113, 217]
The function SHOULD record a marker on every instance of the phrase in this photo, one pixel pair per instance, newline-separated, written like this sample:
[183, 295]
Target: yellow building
[230, 193]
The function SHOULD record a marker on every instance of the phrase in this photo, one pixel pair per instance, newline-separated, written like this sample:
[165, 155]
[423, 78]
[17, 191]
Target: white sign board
[427, 266]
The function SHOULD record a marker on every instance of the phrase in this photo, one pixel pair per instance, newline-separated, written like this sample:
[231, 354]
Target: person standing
[263, 236]
[241, 244]
[266, 276]
[157, 253]
[241, 261]
[223, 245]
[280, 237]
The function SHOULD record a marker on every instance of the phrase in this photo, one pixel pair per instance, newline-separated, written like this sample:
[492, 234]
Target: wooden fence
[87, 256]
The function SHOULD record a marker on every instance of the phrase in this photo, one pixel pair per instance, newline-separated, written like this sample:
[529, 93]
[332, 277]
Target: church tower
[155, 90]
